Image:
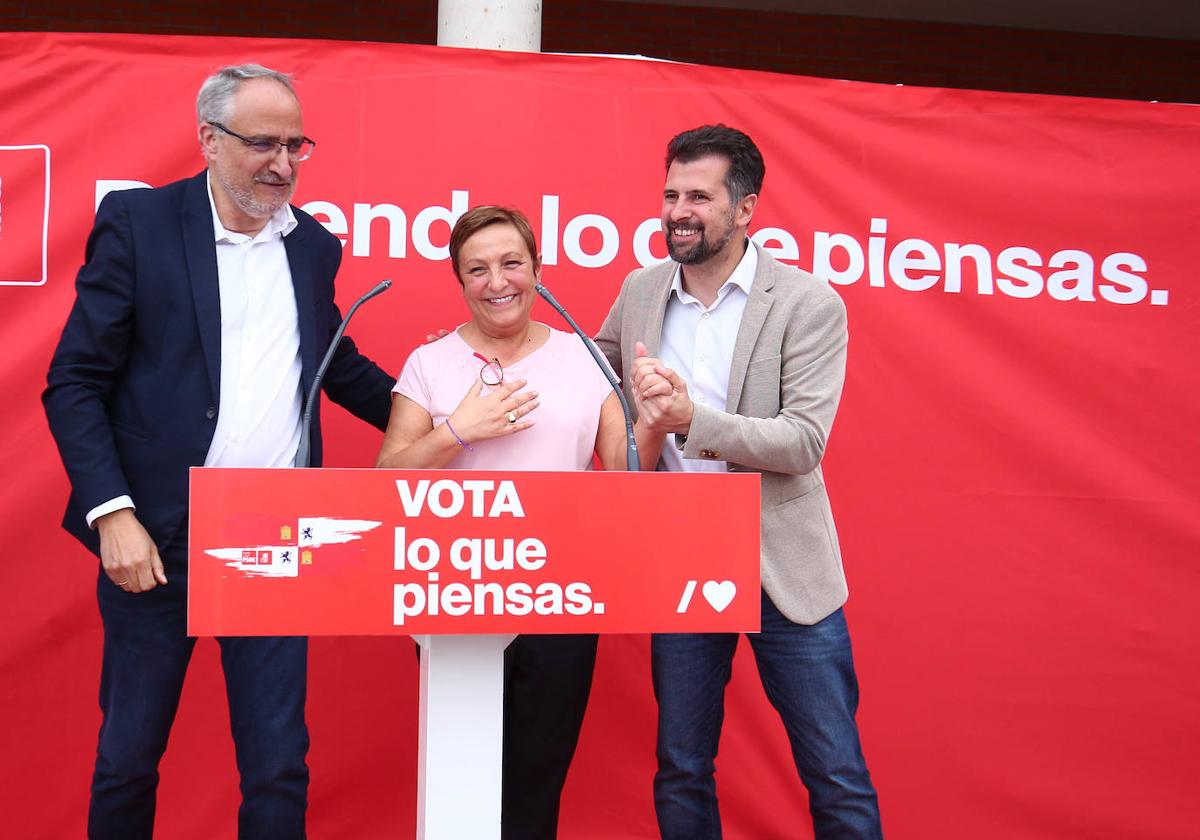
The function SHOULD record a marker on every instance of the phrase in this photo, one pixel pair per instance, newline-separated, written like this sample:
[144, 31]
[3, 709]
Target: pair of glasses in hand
[491, 373]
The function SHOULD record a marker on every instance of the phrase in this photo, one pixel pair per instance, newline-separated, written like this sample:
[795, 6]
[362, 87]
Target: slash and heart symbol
[718, 593]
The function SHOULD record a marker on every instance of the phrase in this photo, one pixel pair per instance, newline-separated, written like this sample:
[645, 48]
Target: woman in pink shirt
[504, 392]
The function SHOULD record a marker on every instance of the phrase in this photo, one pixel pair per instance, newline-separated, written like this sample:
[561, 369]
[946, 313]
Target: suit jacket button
[211, 413]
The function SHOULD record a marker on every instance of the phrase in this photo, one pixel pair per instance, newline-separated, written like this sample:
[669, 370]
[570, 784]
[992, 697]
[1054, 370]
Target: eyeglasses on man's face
[297, 150]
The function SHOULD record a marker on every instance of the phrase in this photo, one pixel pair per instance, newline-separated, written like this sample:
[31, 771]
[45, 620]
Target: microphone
[314, 393]
[632, 462]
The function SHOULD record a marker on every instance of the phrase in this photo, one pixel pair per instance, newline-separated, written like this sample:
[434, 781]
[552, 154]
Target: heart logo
[719, 593]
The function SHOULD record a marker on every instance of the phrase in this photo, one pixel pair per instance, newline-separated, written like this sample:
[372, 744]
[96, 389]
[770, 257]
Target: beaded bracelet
[461, 442]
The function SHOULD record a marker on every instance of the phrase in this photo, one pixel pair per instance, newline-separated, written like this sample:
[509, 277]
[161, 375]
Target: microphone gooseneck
[633, 464]
[303, 450]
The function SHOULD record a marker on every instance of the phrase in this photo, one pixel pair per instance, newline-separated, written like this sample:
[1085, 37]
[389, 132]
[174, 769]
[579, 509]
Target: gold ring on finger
[511, 417]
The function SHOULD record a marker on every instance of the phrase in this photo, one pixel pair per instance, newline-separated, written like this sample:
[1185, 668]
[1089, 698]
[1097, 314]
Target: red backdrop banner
[1014, 469]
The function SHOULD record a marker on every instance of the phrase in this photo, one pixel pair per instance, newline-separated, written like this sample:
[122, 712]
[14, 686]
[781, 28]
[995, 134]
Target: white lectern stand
[461, 736]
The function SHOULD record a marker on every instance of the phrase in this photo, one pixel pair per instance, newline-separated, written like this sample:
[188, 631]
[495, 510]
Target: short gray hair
[216, 94]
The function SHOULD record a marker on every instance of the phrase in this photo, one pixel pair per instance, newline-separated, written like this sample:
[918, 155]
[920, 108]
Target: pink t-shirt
[570, 389]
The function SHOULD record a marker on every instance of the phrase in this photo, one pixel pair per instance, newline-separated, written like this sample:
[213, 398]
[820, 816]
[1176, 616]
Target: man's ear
[208, 140]
[745, 210]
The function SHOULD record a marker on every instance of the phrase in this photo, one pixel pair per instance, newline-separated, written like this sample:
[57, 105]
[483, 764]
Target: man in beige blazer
[735, 361]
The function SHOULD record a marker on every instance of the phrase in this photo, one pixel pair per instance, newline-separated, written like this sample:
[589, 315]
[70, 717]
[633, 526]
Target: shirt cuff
[108, 507]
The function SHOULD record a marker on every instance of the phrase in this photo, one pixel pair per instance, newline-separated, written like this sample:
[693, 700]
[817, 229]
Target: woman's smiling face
[498, 275]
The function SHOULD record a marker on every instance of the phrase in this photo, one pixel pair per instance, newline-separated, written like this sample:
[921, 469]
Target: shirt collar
[742, 277]
[282, 222]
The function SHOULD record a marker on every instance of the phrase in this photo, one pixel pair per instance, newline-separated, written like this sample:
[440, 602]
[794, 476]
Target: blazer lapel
[200, 251]
[300, 265]
[758, 305]
[658, 295]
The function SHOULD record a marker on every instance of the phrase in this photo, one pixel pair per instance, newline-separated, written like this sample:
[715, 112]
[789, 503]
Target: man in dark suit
[201, 315]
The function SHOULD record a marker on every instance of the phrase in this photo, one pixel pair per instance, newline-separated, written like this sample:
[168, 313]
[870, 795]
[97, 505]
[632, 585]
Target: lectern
[462, 561]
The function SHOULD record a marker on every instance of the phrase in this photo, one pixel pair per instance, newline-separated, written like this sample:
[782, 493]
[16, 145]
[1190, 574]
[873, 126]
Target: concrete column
[514, 25]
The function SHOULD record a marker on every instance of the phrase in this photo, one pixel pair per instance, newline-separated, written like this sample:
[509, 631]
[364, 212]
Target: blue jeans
[146, 654]
[808, 675]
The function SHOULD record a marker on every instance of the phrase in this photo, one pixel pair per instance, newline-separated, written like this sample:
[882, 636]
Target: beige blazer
[785, 381]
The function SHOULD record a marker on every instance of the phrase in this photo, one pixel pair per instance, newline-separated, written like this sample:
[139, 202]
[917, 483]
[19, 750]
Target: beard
[246, 201]
[703, 249]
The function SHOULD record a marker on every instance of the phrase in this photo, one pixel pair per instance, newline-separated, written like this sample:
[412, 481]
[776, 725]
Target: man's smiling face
[249, 186]
[698, 217]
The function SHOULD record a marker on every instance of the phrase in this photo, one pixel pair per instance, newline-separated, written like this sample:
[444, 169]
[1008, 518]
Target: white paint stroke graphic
[285, 560]
[260, 560]
[316, 531]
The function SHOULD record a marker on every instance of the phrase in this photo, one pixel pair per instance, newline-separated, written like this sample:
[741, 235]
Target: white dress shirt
[697, 343]
[258, 424]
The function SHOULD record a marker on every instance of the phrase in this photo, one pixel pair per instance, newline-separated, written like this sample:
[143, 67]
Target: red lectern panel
[381, 552]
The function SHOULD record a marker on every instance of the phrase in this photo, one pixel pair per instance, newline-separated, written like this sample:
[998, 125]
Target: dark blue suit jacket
[133, 389]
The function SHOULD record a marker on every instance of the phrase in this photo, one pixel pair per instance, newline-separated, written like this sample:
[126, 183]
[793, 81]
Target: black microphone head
[378, 290]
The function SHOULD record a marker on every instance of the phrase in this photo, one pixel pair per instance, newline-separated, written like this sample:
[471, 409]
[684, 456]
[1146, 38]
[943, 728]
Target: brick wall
[946, 55]
[889, 51]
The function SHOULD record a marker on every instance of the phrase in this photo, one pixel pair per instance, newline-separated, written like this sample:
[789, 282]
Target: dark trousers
[146, 654]
[808, 675]
[547, 680]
